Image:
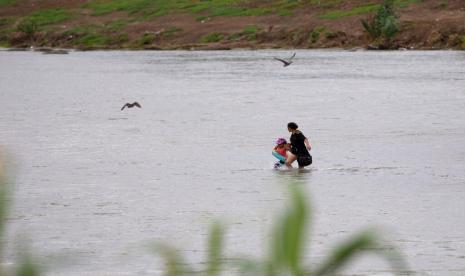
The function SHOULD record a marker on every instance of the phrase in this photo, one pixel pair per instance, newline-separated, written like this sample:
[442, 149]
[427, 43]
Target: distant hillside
[224, 24]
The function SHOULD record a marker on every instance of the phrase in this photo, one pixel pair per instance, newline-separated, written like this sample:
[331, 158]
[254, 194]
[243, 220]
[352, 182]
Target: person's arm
[307, 144]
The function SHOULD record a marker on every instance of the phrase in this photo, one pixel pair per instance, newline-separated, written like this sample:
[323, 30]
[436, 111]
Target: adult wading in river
[299, 147]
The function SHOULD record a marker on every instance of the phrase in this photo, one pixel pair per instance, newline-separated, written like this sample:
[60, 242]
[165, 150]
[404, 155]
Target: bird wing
[292, 56]
[283, 61]
[137, 104]
[124, 106]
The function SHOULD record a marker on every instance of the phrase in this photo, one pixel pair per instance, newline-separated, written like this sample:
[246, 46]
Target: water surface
[96, 185]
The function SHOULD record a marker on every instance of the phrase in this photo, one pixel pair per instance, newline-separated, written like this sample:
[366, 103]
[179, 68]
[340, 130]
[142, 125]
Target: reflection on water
[387, 131]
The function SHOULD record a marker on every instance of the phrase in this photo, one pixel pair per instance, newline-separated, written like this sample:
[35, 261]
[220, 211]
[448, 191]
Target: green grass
[213, 37]
[364, 9]
[5, 37]
[170, 32]
[4, 22]
[46, 17]
[4, 44]
[249, 32]
[89, 36]
[251, 29]
[207, 8]
[405, 3]
[285, 13]
[130, 6]
[355, 11]
[116, 25]
[92, 40]
[146, 39]
[327, 4]
[99, 35]
[316, 33]
[7, 2]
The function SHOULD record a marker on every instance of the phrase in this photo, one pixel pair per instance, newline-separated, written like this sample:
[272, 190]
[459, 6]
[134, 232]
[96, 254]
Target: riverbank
[222, 25]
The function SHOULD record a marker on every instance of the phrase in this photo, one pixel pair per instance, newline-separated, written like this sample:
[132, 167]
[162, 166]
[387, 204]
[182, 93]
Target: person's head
[292, 127]
[281, 142]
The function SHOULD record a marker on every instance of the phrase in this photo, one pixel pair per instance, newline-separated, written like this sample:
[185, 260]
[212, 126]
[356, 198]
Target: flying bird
[286, 62]
[131, 105]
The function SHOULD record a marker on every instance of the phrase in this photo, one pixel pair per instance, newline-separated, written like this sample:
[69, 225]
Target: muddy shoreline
[425, 25]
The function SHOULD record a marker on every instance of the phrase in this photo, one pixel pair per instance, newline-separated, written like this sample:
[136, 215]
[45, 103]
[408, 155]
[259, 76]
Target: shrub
[384, 24]
[315, 34]
[28, 27]
[146, 39]
[213, 37]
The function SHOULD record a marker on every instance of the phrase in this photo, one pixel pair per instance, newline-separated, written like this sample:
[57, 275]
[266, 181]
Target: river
[95, 186]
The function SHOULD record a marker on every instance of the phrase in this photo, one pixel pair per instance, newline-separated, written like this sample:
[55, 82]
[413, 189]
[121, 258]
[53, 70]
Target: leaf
[215, 246]
[174, 265]
[345, 252]
[3, 197]
[247, 266]
[364, 242]
[27, 269]
[288, 237]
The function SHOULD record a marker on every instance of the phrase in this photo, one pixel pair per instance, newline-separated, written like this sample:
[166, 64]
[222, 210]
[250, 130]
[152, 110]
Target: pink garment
[282, 151]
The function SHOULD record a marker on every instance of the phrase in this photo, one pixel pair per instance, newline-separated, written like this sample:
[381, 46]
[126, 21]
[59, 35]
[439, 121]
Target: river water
[95, 186]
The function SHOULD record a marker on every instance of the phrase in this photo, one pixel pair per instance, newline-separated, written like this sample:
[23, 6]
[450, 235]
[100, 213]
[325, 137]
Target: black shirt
[298, 145]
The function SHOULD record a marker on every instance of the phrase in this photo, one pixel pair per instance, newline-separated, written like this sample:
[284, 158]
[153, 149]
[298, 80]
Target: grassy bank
[195, 24]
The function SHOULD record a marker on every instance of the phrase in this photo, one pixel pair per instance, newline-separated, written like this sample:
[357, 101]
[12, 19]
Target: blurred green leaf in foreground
[25, 266]
[286, 251]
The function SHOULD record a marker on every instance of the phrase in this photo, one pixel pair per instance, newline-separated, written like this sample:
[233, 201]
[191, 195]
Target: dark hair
[292, 126]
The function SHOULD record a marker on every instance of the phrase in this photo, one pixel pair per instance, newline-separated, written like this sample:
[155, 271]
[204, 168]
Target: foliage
[5, 31]
[286, 251]
[26, 266]
[7, 2]
[384, 23]
[28, 27]
[116, 25]
[213, 37]
[5, 22]
[326, 4]
[249, 32]
[369, 8]
[210, 8]
[50, 16]
[92, 40]
[146, 39]
[355, 11]
[171, 32]
[315, 33]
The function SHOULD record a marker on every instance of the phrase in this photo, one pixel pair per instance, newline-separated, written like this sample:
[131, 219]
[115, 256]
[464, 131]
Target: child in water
[280, 151]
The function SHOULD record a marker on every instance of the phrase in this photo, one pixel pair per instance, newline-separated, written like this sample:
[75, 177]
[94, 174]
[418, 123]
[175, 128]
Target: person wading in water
[299, 147]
